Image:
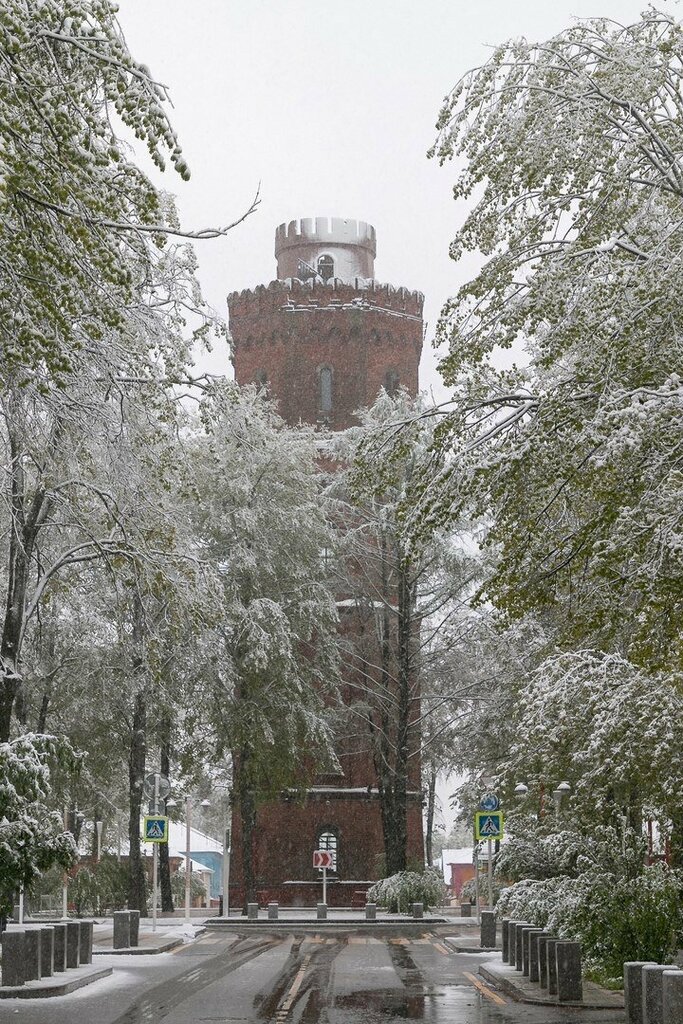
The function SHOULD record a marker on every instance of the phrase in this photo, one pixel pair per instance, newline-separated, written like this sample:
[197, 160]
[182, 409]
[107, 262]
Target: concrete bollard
[569, 975]
[534, 956]
[32, 951]
[134, 927]
[47, 952]
[321, 912]
[487, 929]
[672, 997]
[85, 941]
[653, 1008]
[418, 911]
[527, 936]
[121, 929]
[551, 963]
[542, 942]
[13, 959]
[273, 909]
[370, 911]
[505, 935]
[512, 942]
[633, 990]
[59, 947]
[73, 943]
[466, 910]
[519, 944]
[252, 911]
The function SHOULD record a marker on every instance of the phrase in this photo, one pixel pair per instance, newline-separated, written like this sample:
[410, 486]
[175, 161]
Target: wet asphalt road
[295, 979]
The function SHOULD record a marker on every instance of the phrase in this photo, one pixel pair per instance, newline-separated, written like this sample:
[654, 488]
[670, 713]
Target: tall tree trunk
[247, 810]
[431, 802]
[137, 887]
[164, 863]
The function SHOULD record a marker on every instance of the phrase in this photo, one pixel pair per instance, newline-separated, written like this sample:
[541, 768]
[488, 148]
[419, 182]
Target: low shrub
[615, 918]
[399, 891]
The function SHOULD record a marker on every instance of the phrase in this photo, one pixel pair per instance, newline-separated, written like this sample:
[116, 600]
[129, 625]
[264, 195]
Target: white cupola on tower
[324, 248]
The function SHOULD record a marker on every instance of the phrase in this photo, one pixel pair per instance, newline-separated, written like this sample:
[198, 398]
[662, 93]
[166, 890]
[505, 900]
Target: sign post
[488, 825]
[323, 859]
[156, 787]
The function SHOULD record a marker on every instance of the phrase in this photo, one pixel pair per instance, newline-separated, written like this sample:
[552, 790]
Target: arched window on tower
[327, 840]
[325, 400]
[391, 382]
[326, 267]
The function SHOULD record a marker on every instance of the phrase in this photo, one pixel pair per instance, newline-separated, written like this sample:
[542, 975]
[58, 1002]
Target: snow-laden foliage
[574, 170]
[32, 836]
[398, 892]
[615, 917]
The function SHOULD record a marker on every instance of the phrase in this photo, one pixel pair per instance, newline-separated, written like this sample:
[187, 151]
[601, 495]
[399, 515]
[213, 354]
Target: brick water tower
[324, 337]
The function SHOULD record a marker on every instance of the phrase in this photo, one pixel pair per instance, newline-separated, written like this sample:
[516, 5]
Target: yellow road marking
[441, 949]
[286, 1004]
[493, 996]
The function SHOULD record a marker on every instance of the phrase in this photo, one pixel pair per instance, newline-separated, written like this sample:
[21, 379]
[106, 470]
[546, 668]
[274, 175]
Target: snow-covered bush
[469, 890]
[32, 837]
[399, 891]
[615, 918]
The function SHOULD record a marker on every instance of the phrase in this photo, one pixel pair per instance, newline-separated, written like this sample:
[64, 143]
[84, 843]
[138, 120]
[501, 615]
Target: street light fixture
[521, 790]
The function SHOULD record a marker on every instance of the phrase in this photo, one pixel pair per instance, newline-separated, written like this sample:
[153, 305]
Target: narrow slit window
[326, 390]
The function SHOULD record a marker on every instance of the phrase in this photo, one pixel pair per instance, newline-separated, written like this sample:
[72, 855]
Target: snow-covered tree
[574, 151]
[32, 836]
[261, 522]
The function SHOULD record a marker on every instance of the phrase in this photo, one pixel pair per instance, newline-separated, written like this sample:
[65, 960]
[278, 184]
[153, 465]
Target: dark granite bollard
[672, 997]
[512, 942]
[466, 910]
[527, 935]
[519, 944]
[487, 929]
[252, 911]
[418, 911]
[47, 952]
[13, 958]
[273, 909]
[59, 948]
[653, 1001]
[134, 927]
[32, 951]
[121, 929]
[551, 963]
[73, 943]
[370, 911]
[505, 935]
[633, 990]
[569, 975]
[534, 956]
[542, 942]
[321, 911]
[85, 942]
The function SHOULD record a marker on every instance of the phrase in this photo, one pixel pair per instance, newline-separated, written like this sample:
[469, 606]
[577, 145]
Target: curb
[56, 986]
[459, 947]
[595, 998]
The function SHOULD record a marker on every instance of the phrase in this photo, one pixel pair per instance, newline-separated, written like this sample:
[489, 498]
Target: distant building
[324, 337]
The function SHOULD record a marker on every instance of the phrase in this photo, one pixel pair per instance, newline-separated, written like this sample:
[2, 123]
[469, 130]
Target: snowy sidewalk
[168, 935]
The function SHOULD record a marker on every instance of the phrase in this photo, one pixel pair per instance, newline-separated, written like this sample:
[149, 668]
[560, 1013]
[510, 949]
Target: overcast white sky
[331, 107]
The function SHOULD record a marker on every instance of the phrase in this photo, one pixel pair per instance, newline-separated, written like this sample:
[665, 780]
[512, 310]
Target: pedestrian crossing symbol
[155, 829]
[488, 825]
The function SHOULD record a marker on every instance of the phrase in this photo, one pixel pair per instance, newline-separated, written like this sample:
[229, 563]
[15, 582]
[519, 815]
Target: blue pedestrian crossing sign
[155, 829]
[488, 825]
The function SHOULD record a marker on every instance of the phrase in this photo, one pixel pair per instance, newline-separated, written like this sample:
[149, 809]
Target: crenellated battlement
[295, 295]
[325, 231]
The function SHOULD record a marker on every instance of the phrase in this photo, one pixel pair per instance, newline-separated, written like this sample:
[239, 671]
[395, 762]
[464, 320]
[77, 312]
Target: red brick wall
[290, 330]
[287, 332]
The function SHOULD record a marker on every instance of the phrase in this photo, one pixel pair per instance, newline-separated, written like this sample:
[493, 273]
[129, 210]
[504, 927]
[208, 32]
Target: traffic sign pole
[155, 859]
[489, 869]
[325, 886]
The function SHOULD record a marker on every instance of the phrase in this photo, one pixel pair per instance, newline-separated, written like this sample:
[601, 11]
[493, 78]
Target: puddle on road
[457, 1003]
